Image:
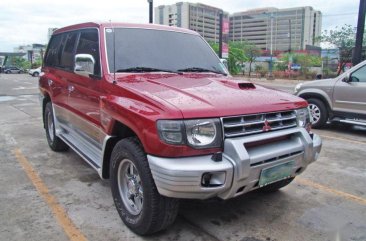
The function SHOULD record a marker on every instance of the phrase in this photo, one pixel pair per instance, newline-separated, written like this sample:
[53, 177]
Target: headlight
[202, 133]
[297, 87]
[303, 118]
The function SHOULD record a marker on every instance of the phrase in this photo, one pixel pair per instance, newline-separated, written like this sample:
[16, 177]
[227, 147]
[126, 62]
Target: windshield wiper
[145, 69]
[198, 69]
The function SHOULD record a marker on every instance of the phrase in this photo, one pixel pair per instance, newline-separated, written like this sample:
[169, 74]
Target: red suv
[153, 109]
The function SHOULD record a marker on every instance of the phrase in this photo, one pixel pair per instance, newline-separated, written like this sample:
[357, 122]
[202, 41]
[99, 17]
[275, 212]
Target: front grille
[258, 123]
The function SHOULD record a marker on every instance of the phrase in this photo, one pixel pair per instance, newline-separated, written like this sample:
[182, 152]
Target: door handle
[71, 88]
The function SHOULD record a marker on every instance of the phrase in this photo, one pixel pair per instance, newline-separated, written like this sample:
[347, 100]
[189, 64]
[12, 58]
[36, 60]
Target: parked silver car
[12, 70]
[341, 99]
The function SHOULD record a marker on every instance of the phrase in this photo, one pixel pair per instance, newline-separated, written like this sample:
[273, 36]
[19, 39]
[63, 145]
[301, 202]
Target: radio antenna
[114, 53]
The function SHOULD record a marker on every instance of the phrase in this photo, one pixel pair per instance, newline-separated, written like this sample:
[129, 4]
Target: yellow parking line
[59, 213]
[343, 139]
[345, 195]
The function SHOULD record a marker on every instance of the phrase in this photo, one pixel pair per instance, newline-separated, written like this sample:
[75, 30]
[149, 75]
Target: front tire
[318, 113]
[135, 195]
[35, 74]
[55, 143]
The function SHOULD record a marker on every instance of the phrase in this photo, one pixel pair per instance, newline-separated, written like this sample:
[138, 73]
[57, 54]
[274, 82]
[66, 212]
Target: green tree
[343, 38]
[37, 63]
[215, 47]
[251, 52]
[305, 60]
[236, 56]
[21, 63]
[281, 65]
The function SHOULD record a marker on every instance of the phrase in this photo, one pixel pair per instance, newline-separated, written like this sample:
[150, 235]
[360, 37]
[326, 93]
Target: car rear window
[51, 59]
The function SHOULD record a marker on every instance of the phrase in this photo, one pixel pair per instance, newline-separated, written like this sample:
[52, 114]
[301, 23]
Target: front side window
[89, 44]
[359, 75]
[157, 49]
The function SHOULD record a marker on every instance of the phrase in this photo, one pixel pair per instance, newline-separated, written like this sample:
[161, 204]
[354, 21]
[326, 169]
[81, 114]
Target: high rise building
[292, 28]
[201, 18]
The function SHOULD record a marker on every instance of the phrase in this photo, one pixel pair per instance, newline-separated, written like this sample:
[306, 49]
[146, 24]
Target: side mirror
[224, 62]
[347, 78]
[84, 65]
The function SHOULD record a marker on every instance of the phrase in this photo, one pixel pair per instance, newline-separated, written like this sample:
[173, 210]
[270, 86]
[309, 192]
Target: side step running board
[354, 122]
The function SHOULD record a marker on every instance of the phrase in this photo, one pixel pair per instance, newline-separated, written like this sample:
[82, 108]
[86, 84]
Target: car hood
[205, 95]
[321, 82]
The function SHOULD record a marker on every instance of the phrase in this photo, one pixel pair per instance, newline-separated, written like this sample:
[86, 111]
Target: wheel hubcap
[50, 126]
[315, 113]
[130, 188]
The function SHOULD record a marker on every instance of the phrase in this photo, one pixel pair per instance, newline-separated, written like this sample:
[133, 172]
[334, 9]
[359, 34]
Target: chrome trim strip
[261, 113]
[350, 102]
[87, 157]
[260, 131]
[90, 127]
[258, 122]
[255, 120]
[55, 120]
[105, 141]
[82, 155]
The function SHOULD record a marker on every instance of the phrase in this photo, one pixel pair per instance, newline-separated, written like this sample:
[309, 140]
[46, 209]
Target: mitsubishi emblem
[266, 126]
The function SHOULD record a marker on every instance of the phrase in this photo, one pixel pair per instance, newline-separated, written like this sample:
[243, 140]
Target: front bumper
[241, 165]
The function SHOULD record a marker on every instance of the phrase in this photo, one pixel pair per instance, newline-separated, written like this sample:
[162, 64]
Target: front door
[350, 96]
[84, 96]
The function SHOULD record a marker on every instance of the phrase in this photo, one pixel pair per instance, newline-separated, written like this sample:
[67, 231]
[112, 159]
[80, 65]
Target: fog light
[213, 179]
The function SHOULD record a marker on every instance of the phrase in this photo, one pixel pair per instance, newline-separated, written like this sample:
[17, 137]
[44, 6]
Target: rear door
[350, 96]
[57, 84]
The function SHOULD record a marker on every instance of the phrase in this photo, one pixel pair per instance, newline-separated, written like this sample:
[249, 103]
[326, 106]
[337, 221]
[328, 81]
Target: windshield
[144, 49]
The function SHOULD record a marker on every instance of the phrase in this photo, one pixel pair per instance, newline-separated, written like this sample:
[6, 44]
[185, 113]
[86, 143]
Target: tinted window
[51, 58]
[159, 49]
[89, 44]
[359, 75]
[67, 56]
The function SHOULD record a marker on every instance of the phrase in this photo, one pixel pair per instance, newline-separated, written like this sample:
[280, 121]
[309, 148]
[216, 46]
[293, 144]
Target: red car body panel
[139, 100]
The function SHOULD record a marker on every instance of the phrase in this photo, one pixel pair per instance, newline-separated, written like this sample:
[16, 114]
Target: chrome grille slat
[253, 124]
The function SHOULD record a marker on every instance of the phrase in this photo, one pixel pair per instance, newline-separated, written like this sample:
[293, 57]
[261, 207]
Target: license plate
[276, 173]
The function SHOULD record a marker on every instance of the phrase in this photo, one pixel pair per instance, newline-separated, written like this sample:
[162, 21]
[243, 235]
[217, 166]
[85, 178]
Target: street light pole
[151, 8]
[289, 48]
[289, 35]
[220, 33]
[357, 52]
[270, 75]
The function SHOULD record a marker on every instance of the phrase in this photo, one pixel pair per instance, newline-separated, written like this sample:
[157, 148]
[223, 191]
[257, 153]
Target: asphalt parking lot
[53, 196]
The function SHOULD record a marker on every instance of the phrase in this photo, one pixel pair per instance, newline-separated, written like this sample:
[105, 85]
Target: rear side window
[89, 44]
[52, 59]
[67, 56]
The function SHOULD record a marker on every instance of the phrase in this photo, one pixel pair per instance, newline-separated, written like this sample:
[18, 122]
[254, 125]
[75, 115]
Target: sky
[26, 22]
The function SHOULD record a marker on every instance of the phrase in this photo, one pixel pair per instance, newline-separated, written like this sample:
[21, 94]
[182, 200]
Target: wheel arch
[319, 96]
[119, 131]
[46, 98]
